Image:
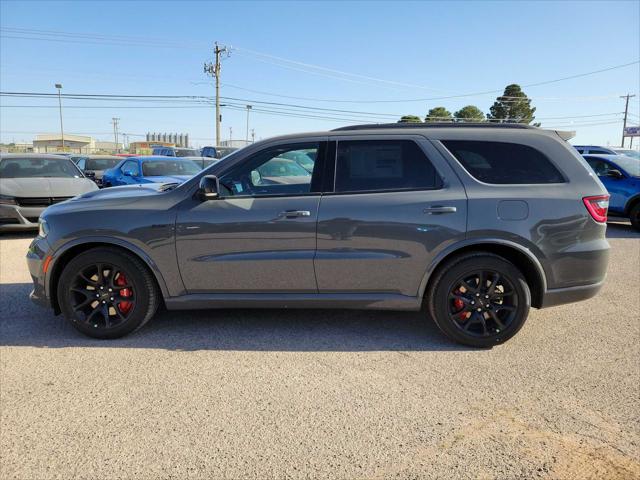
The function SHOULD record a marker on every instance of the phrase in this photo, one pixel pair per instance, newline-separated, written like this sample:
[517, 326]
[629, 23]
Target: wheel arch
[522, 258]
[64, 254]
[631, 202]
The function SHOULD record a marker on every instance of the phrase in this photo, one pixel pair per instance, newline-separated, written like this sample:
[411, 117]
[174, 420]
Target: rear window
[378, 165]
[504, 163]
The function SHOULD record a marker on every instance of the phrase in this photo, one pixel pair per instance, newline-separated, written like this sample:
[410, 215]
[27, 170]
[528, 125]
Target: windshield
[101, 163]
[163, 168]
[187, 152]
[629, 153]
[630, 165]
[38, 167]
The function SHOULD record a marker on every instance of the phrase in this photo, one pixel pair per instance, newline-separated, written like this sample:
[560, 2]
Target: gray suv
[473, 223]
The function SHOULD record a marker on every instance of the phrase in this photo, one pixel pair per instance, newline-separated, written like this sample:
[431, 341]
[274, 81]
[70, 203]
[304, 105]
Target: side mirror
[209, 188]
[615, 173]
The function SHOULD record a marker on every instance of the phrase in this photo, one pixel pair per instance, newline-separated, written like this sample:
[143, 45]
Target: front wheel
[634, 216]
[479, 299]
[107, 293]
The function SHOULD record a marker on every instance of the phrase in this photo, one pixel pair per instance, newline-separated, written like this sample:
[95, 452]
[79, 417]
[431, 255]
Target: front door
[260, 235]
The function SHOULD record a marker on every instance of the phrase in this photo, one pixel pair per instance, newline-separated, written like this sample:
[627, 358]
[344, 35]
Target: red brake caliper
[125, 306]
[459, 305]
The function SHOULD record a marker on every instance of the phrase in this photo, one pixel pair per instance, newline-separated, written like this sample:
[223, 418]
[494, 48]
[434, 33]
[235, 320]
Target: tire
[457, 309]
[634, 216]
[127, 300]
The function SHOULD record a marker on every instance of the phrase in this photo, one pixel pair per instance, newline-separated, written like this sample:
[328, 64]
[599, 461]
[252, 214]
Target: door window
[379, 165]
[599, 166]
[131, 166]
[283, 170]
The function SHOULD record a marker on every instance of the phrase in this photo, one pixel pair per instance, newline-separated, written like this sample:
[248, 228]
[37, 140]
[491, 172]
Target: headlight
[7, 200]
[43, 227]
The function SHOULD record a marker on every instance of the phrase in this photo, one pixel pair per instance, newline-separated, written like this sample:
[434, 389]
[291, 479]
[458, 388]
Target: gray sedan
[29, 183]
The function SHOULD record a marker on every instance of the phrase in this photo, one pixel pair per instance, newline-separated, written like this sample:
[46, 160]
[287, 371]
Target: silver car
[29, 183]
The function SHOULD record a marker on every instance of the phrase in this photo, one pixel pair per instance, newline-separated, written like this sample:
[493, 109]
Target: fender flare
[109, 241]
[451, 249]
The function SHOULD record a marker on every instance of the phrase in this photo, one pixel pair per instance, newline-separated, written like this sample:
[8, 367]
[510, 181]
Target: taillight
[597, 207]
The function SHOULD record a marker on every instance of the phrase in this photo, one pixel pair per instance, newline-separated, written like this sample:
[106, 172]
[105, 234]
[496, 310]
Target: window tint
[273, 171]
[131, 166]
[375, 165]
[38, 167]
[504, 163]
[599, 151]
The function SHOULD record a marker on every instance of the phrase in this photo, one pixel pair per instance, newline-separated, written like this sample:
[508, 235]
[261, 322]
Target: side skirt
[360, 301]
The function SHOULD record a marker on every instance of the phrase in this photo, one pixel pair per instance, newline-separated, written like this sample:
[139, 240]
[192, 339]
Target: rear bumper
[15, 218]
[560, 296]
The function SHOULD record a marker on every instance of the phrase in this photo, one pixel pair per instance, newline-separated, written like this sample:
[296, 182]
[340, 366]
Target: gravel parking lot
[318, 394]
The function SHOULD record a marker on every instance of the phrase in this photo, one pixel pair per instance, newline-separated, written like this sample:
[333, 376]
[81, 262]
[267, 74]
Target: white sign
[632, 132]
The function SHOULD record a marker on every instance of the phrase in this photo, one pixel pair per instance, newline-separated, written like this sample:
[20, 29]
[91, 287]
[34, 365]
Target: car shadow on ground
[621, 229]
[30, 235]
[25, 324]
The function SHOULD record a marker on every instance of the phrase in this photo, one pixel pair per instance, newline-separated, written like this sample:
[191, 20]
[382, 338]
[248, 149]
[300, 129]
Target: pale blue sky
[418, 49]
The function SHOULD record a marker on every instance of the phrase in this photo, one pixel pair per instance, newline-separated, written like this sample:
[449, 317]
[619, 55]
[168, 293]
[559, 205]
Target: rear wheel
[634, 216]
[479, 299]
[107, 293]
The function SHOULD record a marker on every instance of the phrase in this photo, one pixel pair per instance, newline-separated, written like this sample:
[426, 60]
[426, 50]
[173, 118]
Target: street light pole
[247, 135]
[59, 87]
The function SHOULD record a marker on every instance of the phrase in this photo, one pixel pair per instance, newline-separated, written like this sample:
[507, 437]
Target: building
[145, 148]
[101, 146]
[176, 139]
[234, 143]
[52, 142]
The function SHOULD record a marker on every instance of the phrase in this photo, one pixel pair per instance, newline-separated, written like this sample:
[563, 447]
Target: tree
[439, 114]
[512, 107]
[410, 119]
[470, 113]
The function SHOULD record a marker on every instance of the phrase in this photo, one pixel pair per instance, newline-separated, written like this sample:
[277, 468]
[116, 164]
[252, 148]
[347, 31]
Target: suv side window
[504, 163]
[275, 171]
[598, 151]
[382, 165]
[131, 166]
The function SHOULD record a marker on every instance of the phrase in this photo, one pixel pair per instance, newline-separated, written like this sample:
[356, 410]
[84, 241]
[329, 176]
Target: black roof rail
[380, 126]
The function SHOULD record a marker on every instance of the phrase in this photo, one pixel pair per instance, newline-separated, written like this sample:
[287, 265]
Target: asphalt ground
[321, 393]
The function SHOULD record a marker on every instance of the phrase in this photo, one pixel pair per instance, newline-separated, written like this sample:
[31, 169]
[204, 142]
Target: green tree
[512, 107]
[439, 114]
[470, 113]
[410, 119]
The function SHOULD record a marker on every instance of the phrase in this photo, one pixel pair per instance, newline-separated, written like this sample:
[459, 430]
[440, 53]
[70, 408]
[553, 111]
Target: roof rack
[379, 126]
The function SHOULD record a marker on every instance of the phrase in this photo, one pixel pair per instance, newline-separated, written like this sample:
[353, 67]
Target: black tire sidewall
[440, 303]
[134, 276]
[634, 217]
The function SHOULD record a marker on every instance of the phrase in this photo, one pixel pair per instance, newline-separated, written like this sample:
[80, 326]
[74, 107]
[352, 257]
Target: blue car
[621, 177]
[152, 169]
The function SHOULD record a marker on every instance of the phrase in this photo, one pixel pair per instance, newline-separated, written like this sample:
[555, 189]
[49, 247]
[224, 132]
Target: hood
[124, 192]
[169, 179]
[46, 187]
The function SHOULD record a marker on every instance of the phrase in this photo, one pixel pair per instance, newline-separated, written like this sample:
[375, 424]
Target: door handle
[295, 213]
[439, 209]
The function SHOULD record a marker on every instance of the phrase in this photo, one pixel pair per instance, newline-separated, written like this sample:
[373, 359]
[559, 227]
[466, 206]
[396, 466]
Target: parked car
[30, 182]
[176, 151]
[216, 152]
[202, 162]
[620, 175]
[628, 152]
[94, 166]
[152, 169]
[475, 222]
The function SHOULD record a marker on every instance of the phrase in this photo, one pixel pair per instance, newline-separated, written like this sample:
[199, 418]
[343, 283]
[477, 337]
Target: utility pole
[230, 135]
[247, 133]
[253, 135]
[59, 87]
[213, 69]
[115, 121]
[626, 110]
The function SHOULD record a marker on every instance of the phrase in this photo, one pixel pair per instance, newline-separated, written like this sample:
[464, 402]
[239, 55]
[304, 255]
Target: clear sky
[325, 54]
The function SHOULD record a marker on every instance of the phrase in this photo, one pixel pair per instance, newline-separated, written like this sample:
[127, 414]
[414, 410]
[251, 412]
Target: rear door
[394, 204]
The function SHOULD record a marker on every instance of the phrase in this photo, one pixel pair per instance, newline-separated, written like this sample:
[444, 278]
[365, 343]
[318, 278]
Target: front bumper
[36, 255]
[15, 218]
